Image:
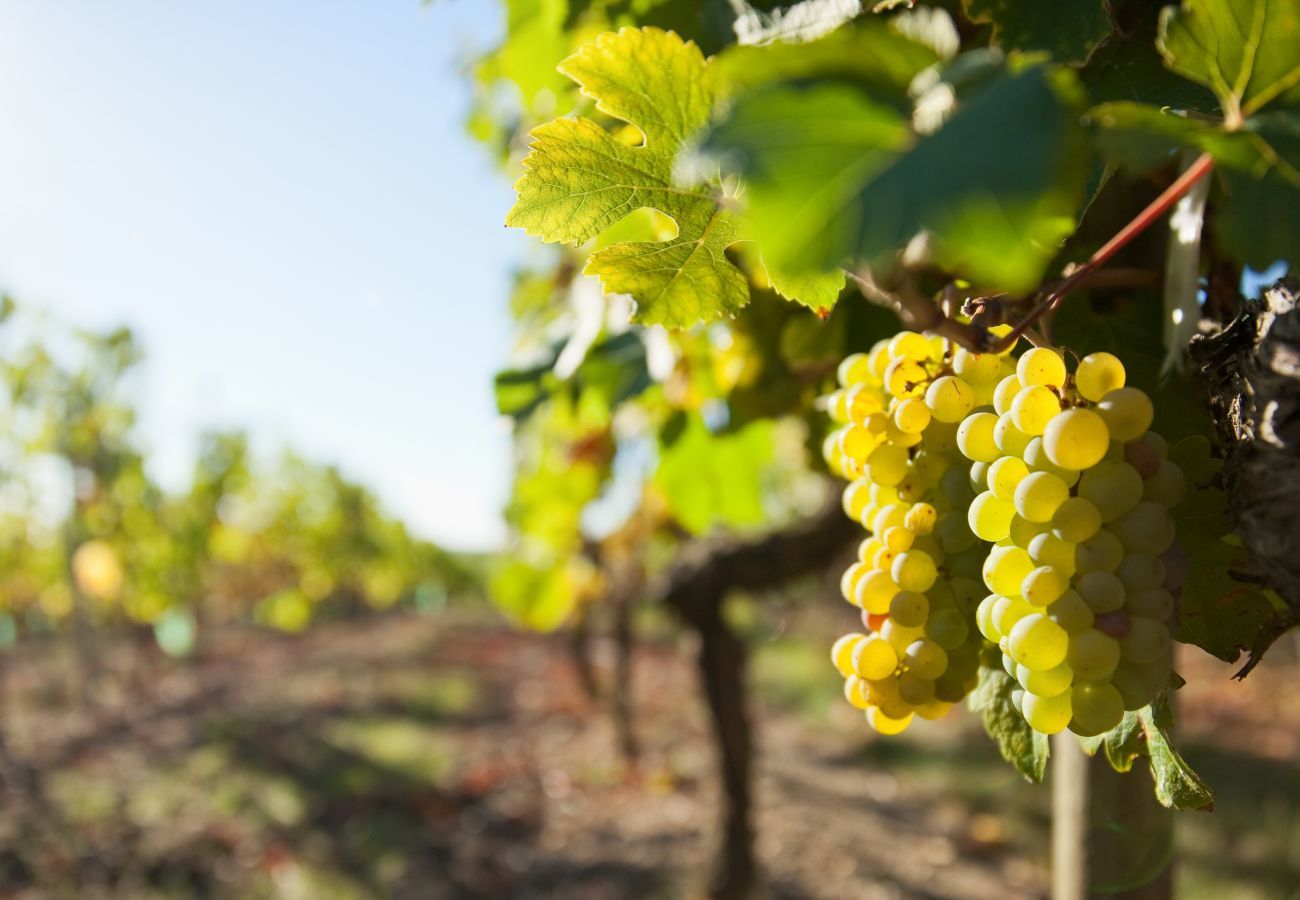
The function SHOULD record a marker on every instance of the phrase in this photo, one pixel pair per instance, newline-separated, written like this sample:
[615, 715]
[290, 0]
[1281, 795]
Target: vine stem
[1201, 167]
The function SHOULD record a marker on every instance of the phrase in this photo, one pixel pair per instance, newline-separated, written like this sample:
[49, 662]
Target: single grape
[1047, 683]
[886, 725]
[909, 345]
[1036, 458]
[905, 378]
[1005, 570]
[1022, 531]
[909, 608]
[1098, 374]
[1076, 439]
[1128, 413]
[1141, 457]
[842, 653]
[947, 628]
[1115, 623]
[979, 476]
[1044, 585]
[1097, 708]
[1033, 407]
[855, 691]
[1155, 603]
[861, 401]
[1047, 715]
[1046, 549]
[1010, 439]
[1008, 611]
[975, 437]
[925, 659]
[1114, 487]
[857, 494]
[954, 534]
[887, 464]
[849, 580]
[950, 398]
[1003, 477]
[1146, 528]
[911, 416]
[977, 368]
[1039, 365]
[1071, 613]
[1102, 552]
[1141, 572]
[1093, 655]
[1102, 591]
[853, 369]
[1076, 520]
[888, 516]
[1147, 641]
[1167, 486]
[990, 518]
[1039, 495]
[914, 570]
[934, 708]
[914, 689]
[875, 591]
[921, 518]
[1038, 643]
[898, 538]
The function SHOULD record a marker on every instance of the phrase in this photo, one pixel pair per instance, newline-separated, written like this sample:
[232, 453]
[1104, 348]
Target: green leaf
[1260, 223]
[1125, 743]
[816, 290]
[835, 178]
[1246, 51]
[579, 179]
[1177, 786]
[1128, 67]
[1021, 746]
[716, 479]
[1217, 613]
[1070, 30]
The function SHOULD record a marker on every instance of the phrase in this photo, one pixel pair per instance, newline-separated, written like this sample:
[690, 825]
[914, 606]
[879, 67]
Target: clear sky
[281, 199]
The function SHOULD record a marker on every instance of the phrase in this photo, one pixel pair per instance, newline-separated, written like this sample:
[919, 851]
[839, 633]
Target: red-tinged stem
[1157, 208]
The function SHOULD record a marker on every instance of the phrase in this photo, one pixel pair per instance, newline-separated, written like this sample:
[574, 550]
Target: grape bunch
[1074, 496]
[916, 578]
[1047, 487]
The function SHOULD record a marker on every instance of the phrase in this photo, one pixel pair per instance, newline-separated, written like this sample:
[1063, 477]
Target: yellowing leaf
[579, 179]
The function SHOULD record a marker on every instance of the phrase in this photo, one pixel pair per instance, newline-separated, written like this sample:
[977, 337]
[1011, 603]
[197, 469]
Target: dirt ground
[449, 757]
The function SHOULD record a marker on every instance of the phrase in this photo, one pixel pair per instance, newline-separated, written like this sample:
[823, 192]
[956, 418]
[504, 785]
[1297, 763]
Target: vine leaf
[1024, 748]
[1220, 615]
[1246, 51]
[1125, 742]
[835, 177]
[1177, 786]
[579, 179]
[1070, 30]
[716, 479]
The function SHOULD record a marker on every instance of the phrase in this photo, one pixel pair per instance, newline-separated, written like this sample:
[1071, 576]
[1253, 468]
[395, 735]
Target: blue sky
[281, 200]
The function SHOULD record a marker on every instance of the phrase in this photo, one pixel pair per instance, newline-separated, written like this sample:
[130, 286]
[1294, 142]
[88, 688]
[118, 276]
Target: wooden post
[1110, 837]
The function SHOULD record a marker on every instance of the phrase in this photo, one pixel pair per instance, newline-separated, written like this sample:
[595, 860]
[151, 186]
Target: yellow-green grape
[1113, 487]
[914, 570]
[1005, 393]
[941, 437]
[1141, 572]
[869, 513]
[1149, 603]
[853, 369]
[1100, 553]
[1146, 528]
[1048, 715]
[1146, 641]
[1040, 365]
[900, 438]
[873, 658]
[899, 636]
[1076, 520]
[933, 709]
[898, 538]
[984, 618]
[1102, 591]
[1008, 611]
[889, 516]
[1076, 439]
[884, 694]
[857, 442]
[1128, 413]
[1033, 407]
[1036, 458]
[856, 496]
[849, 580]
[954, 534]
[1044, 585]
[911, 415]
[1038, 643]
[874, 592]
[887, 464]
[909, 609]
[910, 345]
[856, 692]
[1046, 549]
[861, 401]
[930, 466]
[883, 494]
[925, 659]
[921, 518]
[877, 424]
[905, 378]
[886, 725]
[990, 518]
[837, 406]
[1167, 486]
[977, 368]
[1049, 682]
[914, 689]
[1098, 374]
[832, 455]
[1010, 439]
[979, 476]
[1093, 655]
[878, 359]
[975, 438]
[868, 549]
[1005, 569]
[884, 558]
[1039, 495]
[1097, 708]
[842, 652]
[1023, 531]
[1071, 613]
[947, 628]
[950, 398]
[1003, 477]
